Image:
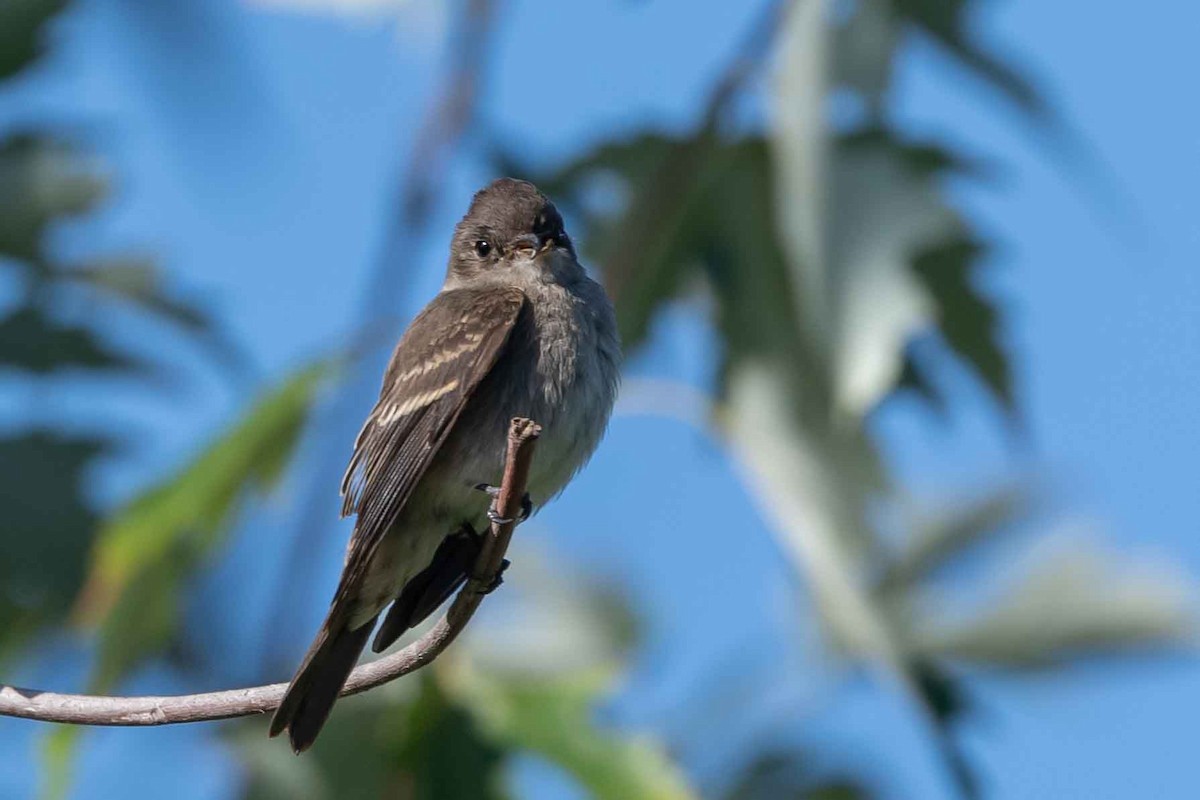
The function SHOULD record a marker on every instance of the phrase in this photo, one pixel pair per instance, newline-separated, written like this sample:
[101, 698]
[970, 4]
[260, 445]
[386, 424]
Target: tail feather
[320, 679]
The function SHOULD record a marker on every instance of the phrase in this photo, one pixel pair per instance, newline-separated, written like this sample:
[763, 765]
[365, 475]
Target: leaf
[836, 307]
[850, 220]
[576, 632]
[48, 528]
[793, 473]
[1078, 601]
[855, 315]
[58, 761]
[445, 752]
[423, 748]
[800, 149]
[884, 211]
[570, 622]
[31, 341]
[41, 180]
[946, 22]
[648, 240]
[21, 24]
[553, 719]
[935, 542]
[721, 234]
[146, 549]
[969, 322]
[140, 284]
[864, 51]
[274, 772]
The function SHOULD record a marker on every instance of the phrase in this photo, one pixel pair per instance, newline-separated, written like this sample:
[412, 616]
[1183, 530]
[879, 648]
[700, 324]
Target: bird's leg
[494, 515]
[499, 579]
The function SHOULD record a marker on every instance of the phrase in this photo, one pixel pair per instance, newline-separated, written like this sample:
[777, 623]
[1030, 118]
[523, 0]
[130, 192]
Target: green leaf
[21, 31]
[445, 752]
[40, 181]
[570, 622]
[553, 719]
[48, 528]
[946, 21]
[864, 52]
[139, 284]
[58, 761]
[969, 322]
[145, 550]
[30, 340]
[422, 748]
[138, 281]
[644, 245]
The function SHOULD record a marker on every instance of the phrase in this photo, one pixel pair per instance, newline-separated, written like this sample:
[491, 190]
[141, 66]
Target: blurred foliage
[423, 747]
[21, 23]
[784, 775]
[145, 550]
[826, 256]
[47, 528]
[46, 181]
[839, 277]
[552, 718]
[451, 731]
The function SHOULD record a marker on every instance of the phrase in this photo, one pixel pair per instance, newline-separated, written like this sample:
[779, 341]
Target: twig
[80, 709]
[450, 118]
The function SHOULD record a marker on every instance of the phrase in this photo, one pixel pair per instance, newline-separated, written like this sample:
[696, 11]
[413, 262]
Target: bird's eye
[482, 248]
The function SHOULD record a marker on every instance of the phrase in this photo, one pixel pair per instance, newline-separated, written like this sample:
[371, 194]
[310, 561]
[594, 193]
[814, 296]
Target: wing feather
[449, 348]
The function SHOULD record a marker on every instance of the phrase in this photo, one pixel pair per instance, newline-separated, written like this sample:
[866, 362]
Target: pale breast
[578, 368]
[561, 370]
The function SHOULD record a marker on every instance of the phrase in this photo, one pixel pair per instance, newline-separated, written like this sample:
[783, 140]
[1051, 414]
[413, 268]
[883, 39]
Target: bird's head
[511, 234]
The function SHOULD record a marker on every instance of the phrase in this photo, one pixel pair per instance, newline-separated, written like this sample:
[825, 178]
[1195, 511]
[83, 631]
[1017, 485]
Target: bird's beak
[526, 241]
[531, 242]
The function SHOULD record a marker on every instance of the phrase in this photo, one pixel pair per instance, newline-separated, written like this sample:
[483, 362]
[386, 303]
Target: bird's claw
[494, 515]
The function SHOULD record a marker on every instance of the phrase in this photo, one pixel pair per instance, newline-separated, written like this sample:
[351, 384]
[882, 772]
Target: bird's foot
[494, 515]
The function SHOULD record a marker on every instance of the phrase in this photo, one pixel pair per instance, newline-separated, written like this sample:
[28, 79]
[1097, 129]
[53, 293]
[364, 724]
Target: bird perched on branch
[518, 330]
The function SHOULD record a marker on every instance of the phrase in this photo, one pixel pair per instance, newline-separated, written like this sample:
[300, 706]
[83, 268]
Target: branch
[81, 709]
[448, 120]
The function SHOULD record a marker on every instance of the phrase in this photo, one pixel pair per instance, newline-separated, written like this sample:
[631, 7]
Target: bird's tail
[312, 693]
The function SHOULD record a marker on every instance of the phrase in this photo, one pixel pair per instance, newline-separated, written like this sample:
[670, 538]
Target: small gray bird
[518, 330]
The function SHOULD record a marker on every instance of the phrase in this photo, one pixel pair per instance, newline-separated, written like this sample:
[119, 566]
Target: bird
[518, 329]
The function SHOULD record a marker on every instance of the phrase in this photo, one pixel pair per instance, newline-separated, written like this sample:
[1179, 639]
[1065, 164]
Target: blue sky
[257, 164]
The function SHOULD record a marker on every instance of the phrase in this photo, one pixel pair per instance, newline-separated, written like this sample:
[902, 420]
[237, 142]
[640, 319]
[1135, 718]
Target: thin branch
[79, 709]
[449, 120]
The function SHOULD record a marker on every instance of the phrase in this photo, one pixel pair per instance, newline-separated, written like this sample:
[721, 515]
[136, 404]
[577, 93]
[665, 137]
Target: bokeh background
[900, 497]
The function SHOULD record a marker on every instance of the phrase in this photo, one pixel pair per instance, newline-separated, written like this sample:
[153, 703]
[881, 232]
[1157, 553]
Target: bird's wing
[446, 352]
